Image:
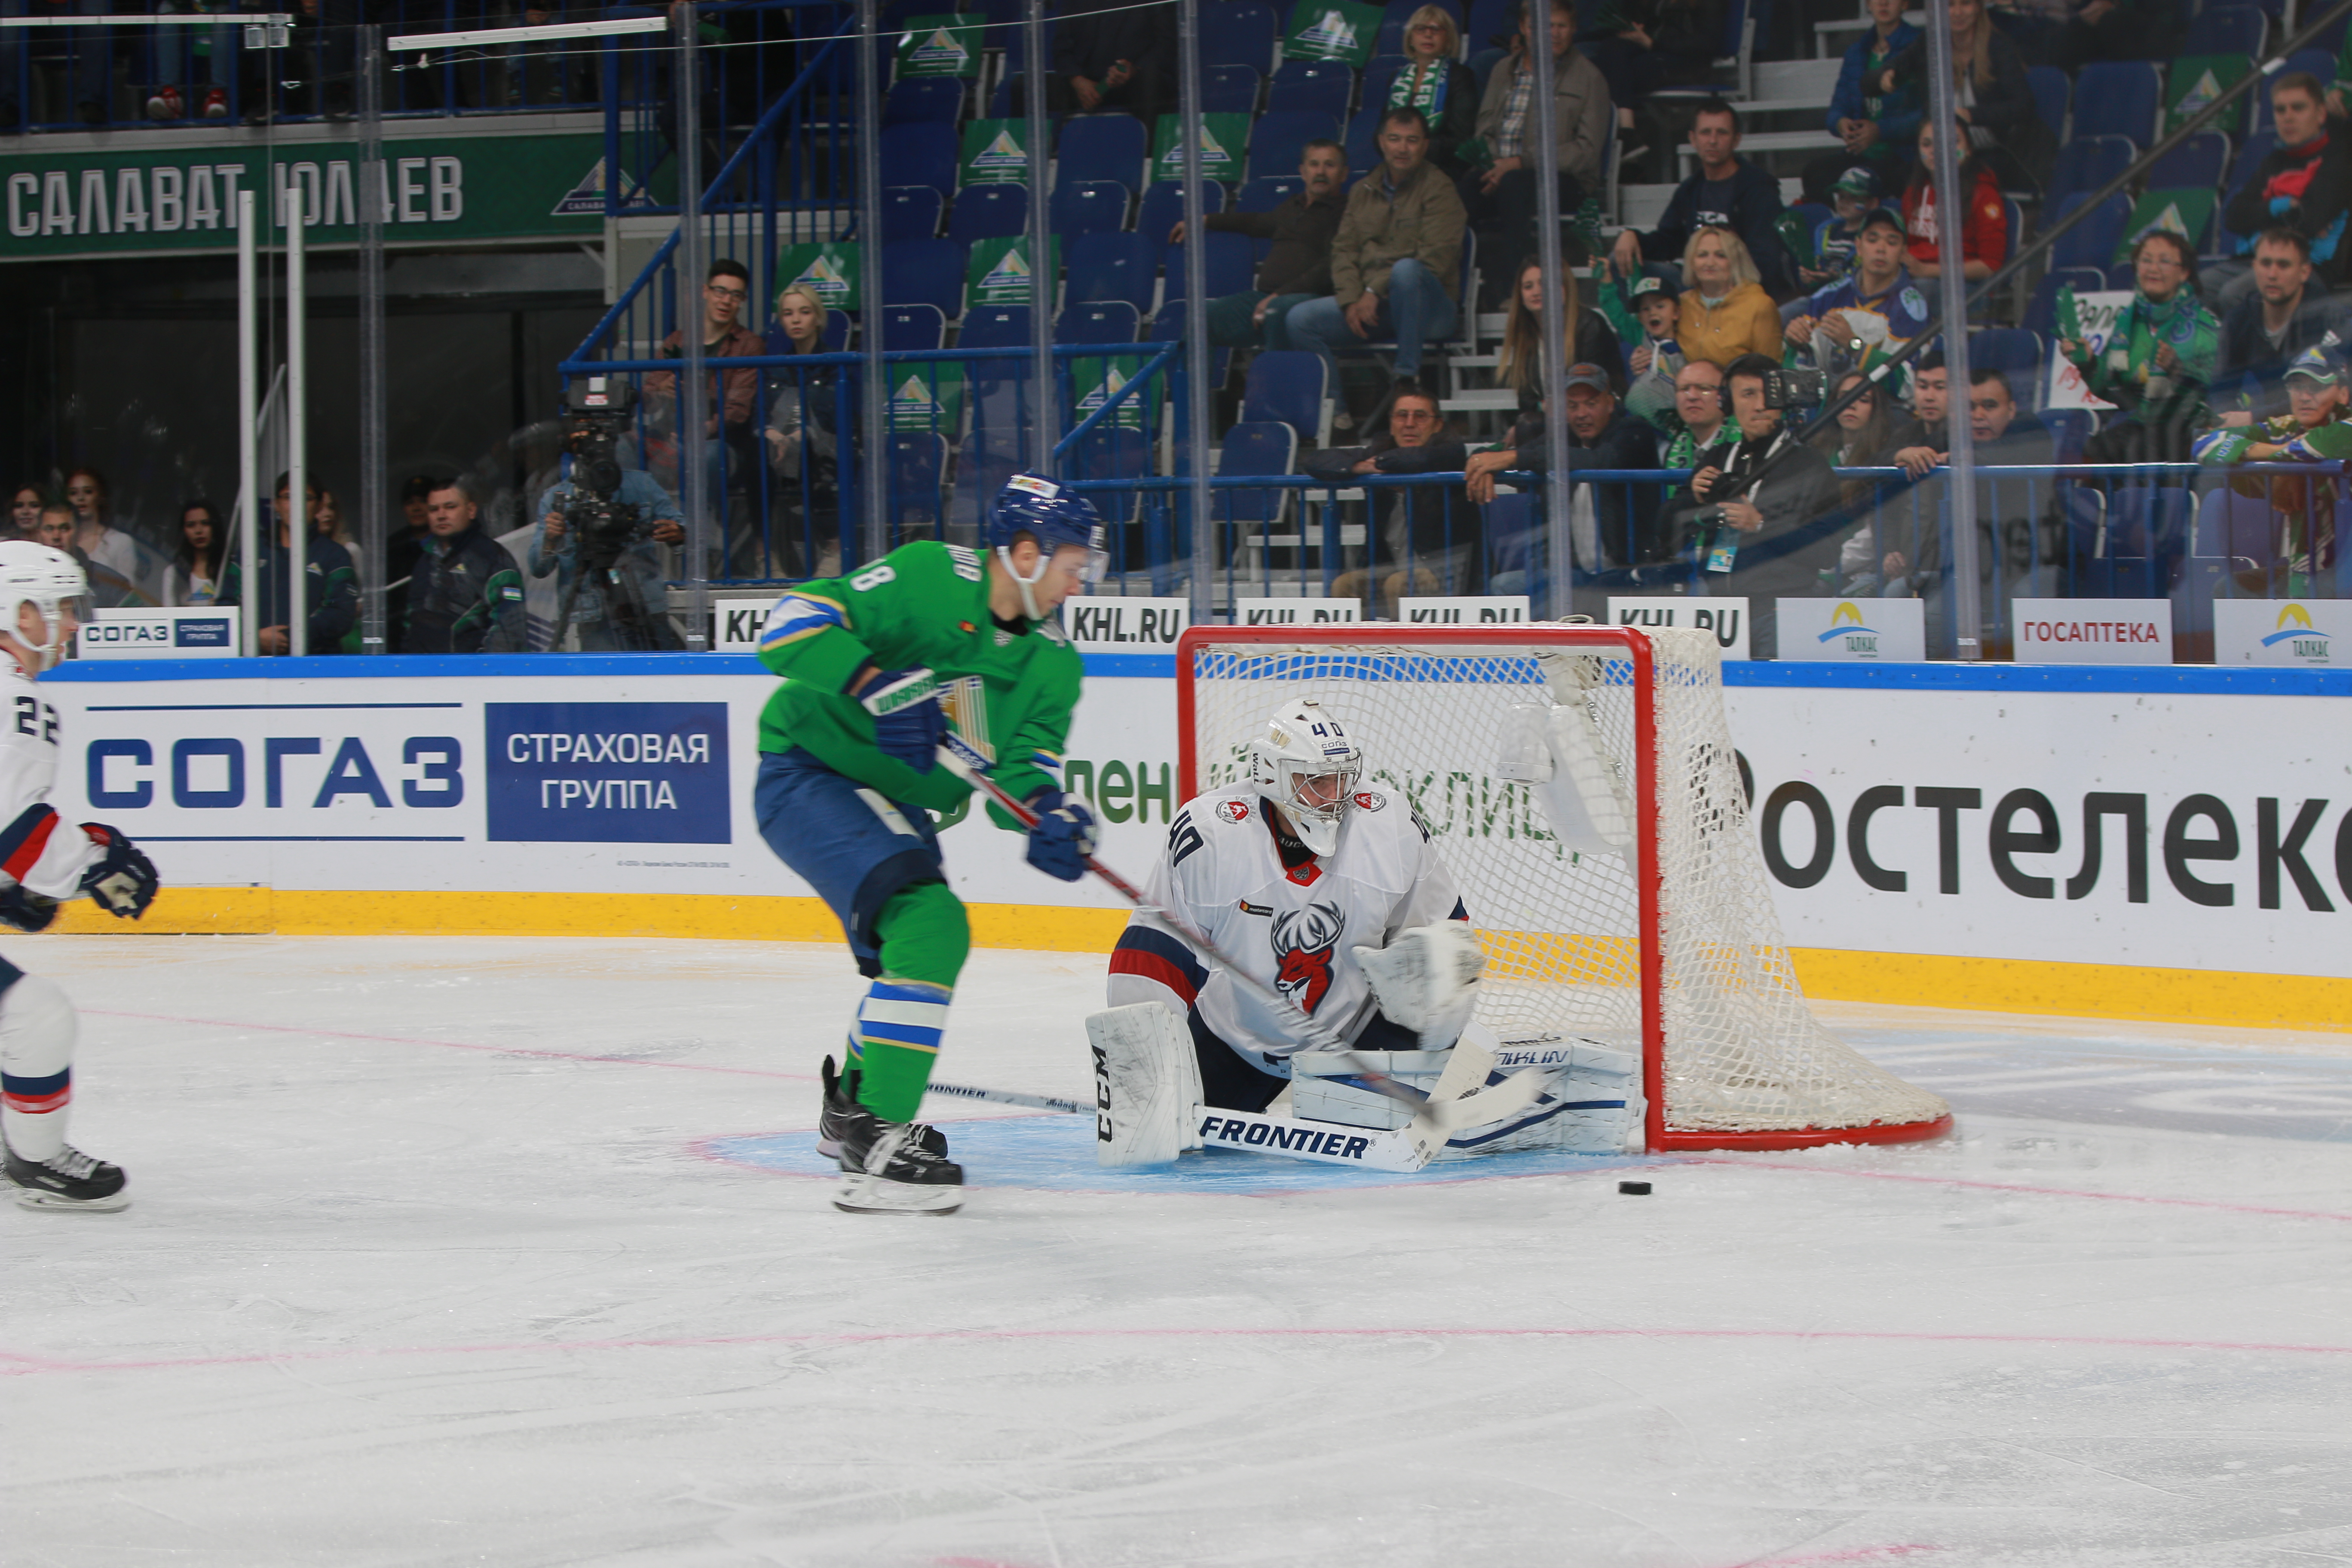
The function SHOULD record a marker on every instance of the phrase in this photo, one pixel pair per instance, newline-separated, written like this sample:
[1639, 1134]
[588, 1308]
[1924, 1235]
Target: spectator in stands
[2304, 184]
[56, 529]
[197, 571]
[1727, 193]
[1699, 420]
[1921, 444]
[1519, 362]
[331, 586]
[1429, 532]
[1984, 231]
[1726, 312]
[1775, 540]
[2160, 359]
[2117, 30]
[400, 553]
[1499, 190]
[1644, 45]
[803, 443]
[1297, 267]
[1995, 99]
[467, 596]
[124, 574]
[2270, 327]
[1434, 80]
[330, 520]
[1877, 125]
[2315, 429]
[1918, 541]
[25, 512]
[1828, 256]
[1657, 357]
[1396, 261]
[724, 289]
[1870, 315]
[1111, 55]
[617, 605]
[1609, 527]
[1861, 437]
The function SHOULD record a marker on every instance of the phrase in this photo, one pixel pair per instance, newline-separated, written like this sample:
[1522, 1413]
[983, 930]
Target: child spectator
[1657, 358]
[1853, 197]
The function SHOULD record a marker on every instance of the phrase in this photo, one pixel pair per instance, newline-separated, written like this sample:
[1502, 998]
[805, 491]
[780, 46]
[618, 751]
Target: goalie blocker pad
[1147, 1084]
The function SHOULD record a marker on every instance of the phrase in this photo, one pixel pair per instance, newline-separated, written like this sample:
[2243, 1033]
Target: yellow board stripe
[1988, 985]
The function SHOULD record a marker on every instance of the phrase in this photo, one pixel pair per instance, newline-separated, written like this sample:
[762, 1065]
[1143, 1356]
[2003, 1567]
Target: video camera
[1795, 388]
[595, 418]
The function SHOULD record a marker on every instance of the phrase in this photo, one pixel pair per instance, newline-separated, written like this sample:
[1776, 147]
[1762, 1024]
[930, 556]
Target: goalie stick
[1432, 1119]
[1008, 1096]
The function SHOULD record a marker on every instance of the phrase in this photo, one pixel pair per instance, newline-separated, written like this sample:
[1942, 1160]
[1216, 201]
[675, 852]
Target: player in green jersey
[876, 665]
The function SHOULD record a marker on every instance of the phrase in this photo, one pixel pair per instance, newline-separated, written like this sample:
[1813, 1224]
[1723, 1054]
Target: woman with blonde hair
[1995, 99]
[1434, 80]
[1518, 363]
[802, 438]
[1724, 311]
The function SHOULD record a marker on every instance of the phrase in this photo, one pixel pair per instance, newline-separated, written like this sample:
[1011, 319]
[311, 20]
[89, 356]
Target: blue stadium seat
[2072, 427]
[2118, 97]
[1488, 19]
[2226, 30]
[1098, 322]
[1238, 32]
[1110, 267]
[2052, 89]
[1279, 137]
[1228, 263]
[1400, 10]
[1389, 39]
[1163, 206]
[995, 326]
[2087, 162]
[925, 272]
[1286, 384]
[1102, 147]
[1380, 75]
[1363, 139]
[1263, 196]
[2197, 162]
[1311, 87]
[923, 153]
[2257, 147]
[989, 212]
[911, 328]
[1168, 327]
[1230, 89]
[917, 460]
[924, 100]
[1252, 448]
[2042, 312]
[1088, 206]
[2092, 241]
[1511, 520]
[910, 211]
[2123, 275]
[2147, 535]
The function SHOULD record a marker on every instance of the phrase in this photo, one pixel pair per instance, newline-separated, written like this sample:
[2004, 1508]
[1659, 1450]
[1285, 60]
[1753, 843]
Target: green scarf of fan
[1422, 88]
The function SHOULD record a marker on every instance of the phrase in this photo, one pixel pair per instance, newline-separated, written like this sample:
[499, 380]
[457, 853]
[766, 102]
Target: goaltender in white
[1330, 893]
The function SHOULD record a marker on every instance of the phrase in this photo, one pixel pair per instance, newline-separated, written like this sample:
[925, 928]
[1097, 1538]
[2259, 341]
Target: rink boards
[2162, 843]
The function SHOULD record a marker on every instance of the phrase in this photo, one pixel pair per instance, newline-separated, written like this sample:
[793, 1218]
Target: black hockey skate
[887, 1170]
[70, 1180]
[843, 1114]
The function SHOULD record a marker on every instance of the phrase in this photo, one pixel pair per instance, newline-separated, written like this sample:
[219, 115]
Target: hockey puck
[1635, 1189]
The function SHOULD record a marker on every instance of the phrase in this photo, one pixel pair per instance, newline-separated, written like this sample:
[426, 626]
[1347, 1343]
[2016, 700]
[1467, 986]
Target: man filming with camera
[1761, 539]
[600, 530]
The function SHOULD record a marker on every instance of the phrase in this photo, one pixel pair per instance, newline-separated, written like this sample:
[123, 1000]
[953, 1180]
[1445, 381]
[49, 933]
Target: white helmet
[48, 580]
[1298, 743]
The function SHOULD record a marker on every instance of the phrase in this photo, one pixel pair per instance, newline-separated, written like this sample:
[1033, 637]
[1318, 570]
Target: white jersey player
[44, 859]
[1294, 874]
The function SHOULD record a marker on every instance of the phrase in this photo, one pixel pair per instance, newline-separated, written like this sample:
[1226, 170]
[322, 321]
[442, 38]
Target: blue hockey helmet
[1053, 516]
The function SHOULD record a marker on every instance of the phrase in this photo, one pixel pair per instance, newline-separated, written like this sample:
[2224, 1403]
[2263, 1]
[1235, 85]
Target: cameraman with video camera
[601, 528]
[1762, 540]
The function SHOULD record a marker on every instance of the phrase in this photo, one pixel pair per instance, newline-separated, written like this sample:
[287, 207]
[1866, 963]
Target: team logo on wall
[1303, 941]
[1235, 811]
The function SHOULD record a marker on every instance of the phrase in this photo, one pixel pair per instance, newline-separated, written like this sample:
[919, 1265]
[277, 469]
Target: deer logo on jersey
[1304, 941]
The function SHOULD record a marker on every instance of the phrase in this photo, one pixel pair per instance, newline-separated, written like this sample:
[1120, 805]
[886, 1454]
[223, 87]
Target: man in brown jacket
[1396, 261]
[1297, 267]
[1501, 192]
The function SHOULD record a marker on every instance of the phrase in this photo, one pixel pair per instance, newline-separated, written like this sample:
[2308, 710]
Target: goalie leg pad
[1147, 1084]
[1595, 1105]
[1427, 980]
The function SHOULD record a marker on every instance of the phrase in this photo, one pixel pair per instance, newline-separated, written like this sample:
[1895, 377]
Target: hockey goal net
[1669, 947]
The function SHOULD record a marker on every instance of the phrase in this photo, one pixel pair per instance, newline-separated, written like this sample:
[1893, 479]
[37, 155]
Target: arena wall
[609, 795]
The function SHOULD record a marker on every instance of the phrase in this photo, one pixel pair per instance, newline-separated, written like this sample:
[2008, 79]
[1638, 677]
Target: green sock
[923, 937]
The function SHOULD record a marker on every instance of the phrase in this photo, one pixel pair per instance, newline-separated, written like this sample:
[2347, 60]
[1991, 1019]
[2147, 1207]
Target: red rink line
[15, 1364]
[2008, 1187]
[445, 1045]
[1852, 1555]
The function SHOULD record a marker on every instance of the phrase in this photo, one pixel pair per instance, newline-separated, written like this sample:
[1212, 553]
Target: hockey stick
[1513, 1094]
[1008, 1096]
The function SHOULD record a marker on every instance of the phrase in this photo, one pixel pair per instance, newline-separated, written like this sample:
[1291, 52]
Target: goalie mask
[51, 581]
[1304, 763]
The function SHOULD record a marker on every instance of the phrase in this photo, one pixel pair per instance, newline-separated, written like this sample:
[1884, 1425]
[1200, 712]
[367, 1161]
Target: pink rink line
[16, 1364]
[2004, 1186]
[445, 1045]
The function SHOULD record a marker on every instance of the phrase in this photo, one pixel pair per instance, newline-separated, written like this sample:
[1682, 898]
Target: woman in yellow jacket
[1724, 311]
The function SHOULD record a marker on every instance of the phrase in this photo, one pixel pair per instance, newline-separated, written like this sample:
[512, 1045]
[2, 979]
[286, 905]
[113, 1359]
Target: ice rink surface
[501, 1252]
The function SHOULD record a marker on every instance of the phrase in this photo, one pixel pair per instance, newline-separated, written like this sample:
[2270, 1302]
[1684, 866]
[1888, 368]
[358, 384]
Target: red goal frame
[1627, 642]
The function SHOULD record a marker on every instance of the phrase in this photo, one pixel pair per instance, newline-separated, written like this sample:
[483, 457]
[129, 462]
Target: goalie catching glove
[123, 881]
[1427, 980]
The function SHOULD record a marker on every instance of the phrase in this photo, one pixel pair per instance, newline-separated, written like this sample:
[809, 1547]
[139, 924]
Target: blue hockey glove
[124, 883]
[1063, 836]
[908, 724]
[24, 909]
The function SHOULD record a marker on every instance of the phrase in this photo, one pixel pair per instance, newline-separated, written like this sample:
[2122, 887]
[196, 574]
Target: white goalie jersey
[37, 847]
[1222, 875]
